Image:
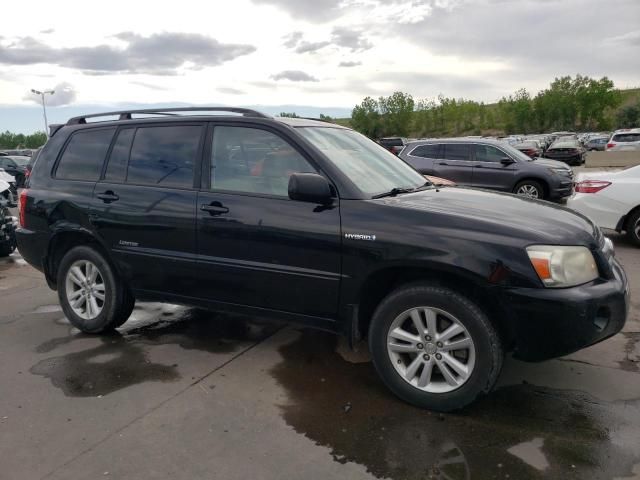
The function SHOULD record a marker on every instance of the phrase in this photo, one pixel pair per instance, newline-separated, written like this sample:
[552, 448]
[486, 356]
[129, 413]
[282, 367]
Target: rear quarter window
[426, 151]
[84, 155]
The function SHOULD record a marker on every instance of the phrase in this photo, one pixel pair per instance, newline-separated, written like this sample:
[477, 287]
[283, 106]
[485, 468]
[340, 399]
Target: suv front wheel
[90, 293]
[530, 189]
[434, 348]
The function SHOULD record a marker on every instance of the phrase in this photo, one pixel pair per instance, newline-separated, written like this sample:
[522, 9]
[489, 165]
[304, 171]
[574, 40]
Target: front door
[256, 247]
[489, 171]
[144, 206]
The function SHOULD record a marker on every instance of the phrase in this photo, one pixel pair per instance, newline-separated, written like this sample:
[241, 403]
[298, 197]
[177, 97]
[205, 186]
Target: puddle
[120, 358]
[517, 432]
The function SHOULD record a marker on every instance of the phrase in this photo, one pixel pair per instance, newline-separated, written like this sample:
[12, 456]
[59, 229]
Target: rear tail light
[611, 145]
[591, 186]
[22, 203]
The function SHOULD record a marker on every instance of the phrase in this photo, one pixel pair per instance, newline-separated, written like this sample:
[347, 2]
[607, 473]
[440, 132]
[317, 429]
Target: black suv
[486, 163]
[313, 223]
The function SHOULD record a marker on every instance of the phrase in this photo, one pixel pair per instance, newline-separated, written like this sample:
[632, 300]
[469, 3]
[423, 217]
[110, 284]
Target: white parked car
[627, 139]
[610, 199]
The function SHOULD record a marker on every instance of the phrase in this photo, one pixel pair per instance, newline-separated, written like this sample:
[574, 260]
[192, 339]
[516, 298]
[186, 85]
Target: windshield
[369, 166]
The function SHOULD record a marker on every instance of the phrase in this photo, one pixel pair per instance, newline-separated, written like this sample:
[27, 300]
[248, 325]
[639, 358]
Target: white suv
[627, 139]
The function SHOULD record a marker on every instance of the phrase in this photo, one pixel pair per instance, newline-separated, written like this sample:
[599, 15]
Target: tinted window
[626, 137]
[456, 151]
[117, 166]
[488, 153]
[427, 151]
[85, 154]
[254, 161]
[164, 155]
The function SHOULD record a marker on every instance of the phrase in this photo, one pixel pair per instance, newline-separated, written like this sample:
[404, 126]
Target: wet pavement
[182, 393]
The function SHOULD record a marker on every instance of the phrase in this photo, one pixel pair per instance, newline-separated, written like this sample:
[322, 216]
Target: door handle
[108, 196]
[479, 165]
[214, 208]
[443, 163]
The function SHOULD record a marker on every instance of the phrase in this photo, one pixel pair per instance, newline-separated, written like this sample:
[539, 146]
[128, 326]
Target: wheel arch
[64, 239]
[623, 222]
[383, 281]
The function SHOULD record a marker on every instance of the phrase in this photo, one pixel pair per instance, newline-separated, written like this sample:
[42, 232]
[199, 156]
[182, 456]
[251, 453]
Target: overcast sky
[317, 52]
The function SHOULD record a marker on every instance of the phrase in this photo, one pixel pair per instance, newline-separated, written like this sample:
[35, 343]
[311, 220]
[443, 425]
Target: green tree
[288, 115]
[397, 113]
[365, 118]
[628, 116]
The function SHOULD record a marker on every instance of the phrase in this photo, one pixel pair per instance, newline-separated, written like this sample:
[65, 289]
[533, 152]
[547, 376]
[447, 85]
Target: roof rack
[126, 114]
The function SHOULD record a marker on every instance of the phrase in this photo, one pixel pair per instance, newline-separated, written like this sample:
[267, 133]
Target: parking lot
[180, 393]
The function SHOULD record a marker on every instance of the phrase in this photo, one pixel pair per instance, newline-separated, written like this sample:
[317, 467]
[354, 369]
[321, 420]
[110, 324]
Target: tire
[126, 307]
[633, 228]
[117, 303]
[483, 359]
[530, 185]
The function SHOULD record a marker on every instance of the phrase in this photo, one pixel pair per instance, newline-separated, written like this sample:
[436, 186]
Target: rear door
[455, 164]
[143, 207]
[489, 172]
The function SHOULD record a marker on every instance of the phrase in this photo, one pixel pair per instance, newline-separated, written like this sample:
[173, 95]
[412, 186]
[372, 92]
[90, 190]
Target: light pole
[44, 108]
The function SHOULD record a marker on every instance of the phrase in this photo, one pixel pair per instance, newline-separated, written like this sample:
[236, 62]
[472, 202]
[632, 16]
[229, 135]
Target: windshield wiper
[398, 190]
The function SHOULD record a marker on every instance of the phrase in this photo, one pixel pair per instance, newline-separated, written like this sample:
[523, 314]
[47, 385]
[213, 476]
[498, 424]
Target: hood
[489, 213]
[546, 162]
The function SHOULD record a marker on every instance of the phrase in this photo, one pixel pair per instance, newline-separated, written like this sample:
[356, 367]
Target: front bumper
[548, 323]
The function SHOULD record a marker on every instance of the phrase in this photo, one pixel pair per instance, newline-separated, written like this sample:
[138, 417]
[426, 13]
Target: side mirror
[310, 187]
[506, 160]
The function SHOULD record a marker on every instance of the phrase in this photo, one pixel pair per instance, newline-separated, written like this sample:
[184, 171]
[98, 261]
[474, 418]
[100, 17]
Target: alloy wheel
[431, 349]
[85, 289]
[530, 191]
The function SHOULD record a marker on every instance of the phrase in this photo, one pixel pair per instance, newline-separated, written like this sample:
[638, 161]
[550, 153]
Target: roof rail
[126, 114]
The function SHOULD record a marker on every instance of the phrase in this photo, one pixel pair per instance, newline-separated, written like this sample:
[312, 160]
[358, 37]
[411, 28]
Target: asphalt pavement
[179, 393]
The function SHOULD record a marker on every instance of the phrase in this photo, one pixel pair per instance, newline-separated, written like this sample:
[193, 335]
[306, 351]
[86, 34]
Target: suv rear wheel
[434, 348]
[92, 297]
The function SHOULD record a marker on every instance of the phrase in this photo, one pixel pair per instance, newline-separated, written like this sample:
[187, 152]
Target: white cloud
[64, 94]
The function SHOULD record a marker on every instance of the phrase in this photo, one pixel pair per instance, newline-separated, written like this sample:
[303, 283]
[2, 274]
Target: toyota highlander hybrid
[313, 223]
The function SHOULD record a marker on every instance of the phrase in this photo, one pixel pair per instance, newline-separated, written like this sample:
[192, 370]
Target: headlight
[559, 266]
[560, 171]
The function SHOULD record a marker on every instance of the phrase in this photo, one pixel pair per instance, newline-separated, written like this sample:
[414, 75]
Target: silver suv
[627, 139]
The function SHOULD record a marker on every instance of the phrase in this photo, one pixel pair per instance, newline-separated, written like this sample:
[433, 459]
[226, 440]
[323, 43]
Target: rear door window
[84, 155]
[456, 151]
[427, 151]
[164, 155]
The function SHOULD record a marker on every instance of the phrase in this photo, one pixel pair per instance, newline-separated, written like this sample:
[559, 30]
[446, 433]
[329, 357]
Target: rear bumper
[33, 247]
[548, 323]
